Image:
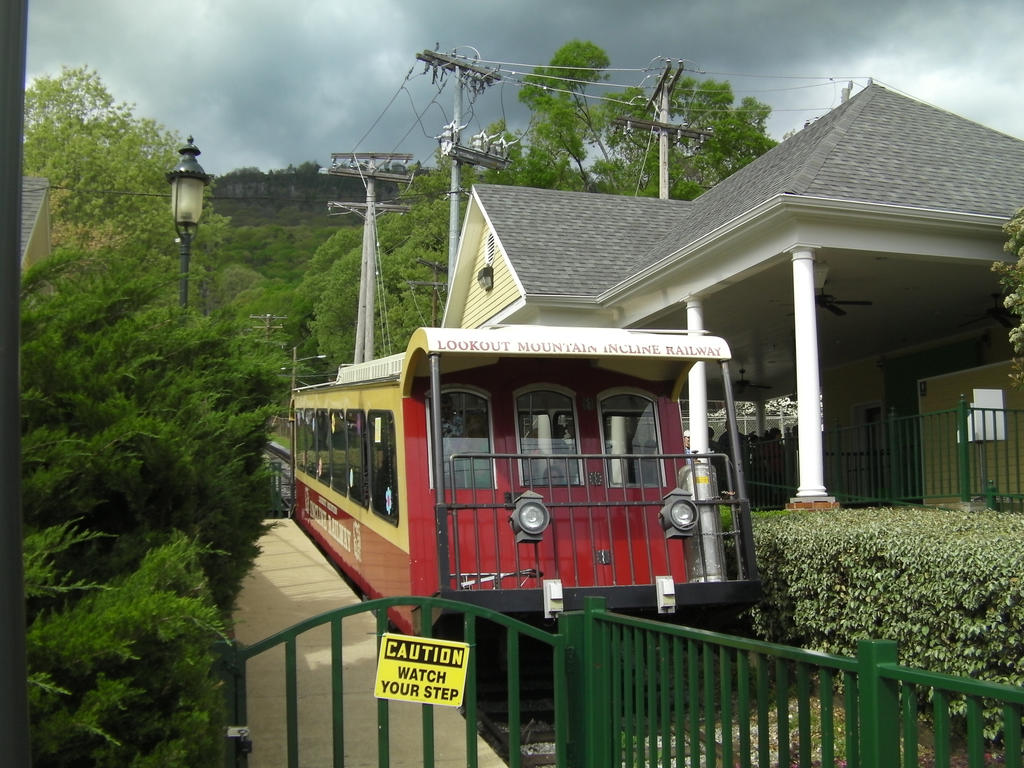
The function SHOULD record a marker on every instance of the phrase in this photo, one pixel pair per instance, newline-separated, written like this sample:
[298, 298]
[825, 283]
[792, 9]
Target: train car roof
[654, 355]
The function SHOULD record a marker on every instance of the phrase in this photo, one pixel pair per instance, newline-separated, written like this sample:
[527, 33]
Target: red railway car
[524, 468]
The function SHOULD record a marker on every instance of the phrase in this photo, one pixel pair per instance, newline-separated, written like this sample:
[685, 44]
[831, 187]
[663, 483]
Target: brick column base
[814, 502]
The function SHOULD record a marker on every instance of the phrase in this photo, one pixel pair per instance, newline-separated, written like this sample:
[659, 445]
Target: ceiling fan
[742, 384]
[832, 304]
[997, 312]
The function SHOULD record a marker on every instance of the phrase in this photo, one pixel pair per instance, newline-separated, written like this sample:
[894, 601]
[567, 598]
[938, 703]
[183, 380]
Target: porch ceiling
[914, 301]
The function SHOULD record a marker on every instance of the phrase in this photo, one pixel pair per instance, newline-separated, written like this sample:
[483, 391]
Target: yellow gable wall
[482, 305]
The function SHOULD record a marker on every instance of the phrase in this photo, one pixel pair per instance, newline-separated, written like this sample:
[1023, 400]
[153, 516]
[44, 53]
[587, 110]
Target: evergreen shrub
[121, 674]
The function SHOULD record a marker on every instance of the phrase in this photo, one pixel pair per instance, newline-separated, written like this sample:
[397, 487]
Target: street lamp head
[187, 180]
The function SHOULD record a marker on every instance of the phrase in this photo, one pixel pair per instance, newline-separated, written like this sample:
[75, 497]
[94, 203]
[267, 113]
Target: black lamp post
[187, 180]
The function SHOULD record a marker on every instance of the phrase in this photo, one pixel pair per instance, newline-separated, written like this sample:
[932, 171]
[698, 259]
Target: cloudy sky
[267, 83]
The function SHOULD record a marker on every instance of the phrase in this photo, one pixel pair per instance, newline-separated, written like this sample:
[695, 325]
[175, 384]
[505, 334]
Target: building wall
[897, 381]
[992, 463]
[921, 447]
[938, 393]
[849, 389]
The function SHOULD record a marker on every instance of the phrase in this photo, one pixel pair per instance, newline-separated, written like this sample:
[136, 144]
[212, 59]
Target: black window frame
[548, 469]
[646, 473]
[382, 453]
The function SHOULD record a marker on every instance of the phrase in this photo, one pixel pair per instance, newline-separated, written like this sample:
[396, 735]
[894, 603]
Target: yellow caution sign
[421, 669]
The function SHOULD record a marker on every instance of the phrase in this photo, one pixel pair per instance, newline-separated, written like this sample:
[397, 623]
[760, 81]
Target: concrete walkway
[292, 581]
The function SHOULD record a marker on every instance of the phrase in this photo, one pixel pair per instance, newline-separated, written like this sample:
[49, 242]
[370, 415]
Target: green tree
[105, 166]
[575, 142]
[334, 293]
[144, 487]
[1013, 281]
[565, 126]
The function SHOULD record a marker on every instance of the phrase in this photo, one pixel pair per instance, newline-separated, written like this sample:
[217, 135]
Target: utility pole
[662, 96]
[268, 322]
[477, 79]
[368, 166]
[435, 285]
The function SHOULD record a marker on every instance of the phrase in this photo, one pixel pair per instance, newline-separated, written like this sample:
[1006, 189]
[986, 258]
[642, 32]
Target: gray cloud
[269, 84]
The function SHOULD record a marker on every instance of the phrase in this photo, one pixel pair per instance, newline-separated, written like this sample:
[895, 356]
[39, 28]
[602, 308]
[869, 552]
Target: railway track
[536, 737]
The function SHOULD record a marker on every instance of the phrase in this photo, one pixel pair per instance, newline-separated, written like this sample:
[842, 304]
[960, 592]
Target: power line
[386, 108]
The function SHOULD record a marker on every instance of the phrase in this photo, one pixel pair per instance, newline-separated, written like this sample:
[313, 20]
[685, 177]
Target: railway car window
[355, 422]
[339, 452]
[465, 426]
[322, 438]
[629, 426]
[383, 464]
[304, 440]
[547, 427]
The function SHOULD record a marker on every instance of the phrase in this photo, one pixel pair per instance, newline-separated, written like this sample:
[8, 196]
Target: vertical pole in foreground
[185, 256]
[14, 733]
[456, 185]
[440, 507]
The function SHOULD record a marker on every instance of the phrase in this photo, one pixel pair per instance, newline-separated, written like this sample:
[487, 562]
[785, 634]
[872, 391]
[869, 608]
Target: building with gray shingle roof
[35, 220]
[582, 224]
[880, 222]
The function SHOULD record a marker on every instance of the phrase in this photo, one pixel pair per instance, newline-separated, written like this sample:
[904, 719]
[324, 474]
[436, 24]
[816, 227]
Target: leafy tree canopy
[576, 142]
[121, 675]
[106, 167]
[143, 425]
[1013, 281]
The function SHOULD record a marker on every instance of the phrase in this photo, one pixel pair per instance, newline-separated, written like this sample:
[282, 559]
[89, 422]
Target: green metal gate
[635, 692]
[375, 748]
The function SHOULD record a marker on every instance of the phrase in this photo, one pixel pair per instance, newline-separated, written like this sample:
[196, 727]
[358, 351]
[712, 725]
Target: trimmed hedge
[948, 586]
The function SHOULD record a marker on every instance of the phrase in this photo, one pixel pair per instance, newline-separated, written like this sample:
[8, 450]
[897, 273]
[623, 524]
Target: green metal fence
[687, 697]
[960, 455]
[635, 692]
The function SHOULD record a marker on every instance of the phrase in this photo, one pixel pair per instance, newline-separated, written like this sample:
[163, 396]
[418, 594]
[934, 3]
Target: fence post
[892, 474]
[230, 669]
[587, 673]
[879, 704]
[836, 483]
[963, 449]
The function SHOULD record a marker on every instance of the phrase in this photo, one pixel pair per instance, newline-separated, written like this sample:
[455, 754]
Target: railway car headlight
[678, 514]
[530, 518]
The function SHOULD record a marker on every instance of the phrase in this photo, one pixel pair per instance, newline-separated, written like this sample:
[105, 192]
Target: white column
[698, 384]
[808, 381]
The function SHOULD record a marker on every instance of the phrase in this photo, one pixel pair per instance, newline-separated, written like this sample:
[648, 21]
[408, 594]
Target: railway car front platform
[292, 581]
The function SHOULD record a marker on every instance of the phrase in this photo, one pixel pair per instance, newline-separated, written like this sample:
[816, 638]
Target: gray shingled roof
[574, 243]
[33, 196]
[879, 147]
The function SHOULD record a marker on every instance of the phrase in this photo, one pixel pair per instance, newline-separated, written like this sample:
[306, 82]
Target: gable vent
[489, 255]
